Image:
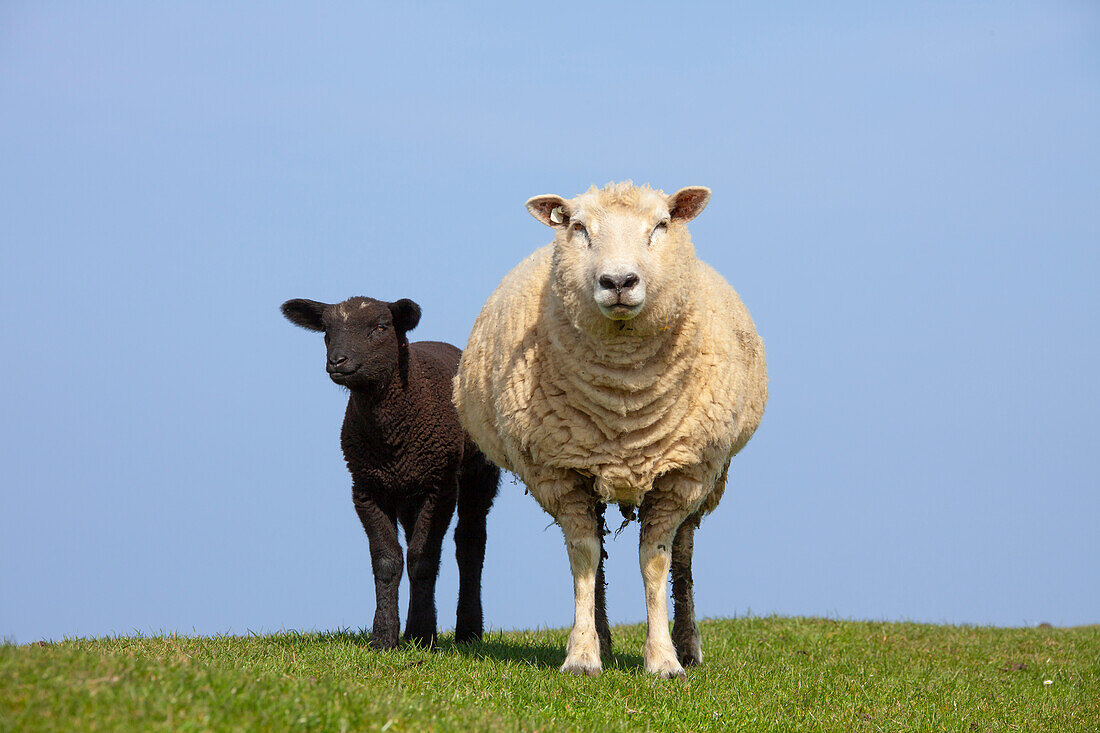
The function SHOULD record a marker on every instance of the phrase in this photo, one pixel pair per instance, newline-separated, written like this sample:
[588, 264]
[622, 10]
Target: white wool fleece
[548, 382]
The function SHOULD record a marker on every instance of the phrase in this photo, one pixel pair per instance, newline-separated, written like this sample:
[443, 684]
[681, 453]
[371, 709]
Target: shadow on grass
[528, 653]
[545, 655]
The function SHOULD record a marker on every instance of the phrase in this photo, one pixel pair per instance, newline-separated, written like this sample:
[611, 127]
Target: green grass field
[758, 674]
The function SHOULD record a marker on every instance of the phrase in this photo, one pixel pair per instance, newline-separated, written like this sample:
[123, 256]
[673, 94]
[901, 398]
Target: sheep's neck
[621, 351]
[387, 407]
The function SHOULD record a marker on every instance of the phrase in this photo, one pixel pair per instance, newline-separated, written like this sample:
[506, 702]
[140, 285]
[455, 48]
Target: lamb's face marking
[363, 337]
[362, 345]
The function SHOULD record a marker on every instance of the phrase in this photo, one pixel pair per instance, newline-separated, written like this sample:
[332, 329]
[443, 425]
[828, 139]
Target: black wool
[410, 461]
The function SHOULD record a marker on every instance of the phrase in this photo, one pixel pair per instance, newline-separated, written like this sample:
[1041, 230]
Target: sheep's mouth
[621, 311]
[342, 377]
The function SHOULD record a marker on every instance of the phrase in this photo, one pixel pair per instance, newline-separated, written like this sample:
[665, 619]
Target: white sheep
[614, 366]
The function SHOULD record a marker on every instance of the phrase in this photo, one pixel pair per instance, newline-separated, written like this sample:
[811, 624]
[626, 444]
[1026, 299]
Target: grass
[759, 674]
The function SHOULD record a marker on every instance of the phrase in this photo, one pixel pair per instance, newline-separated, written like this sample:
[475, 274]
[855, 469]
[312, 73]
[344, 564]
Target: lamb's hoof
[382, 642]
[422, 639]
[467, 636]
[583, 665]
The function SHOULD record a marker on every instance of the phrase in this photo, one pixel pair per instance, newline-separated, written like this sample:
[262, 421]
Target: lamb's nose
[618, 282]
[337, 360]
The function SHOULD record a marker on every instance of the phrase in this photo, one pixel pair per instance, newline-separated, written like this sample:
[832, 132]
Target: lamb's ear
[305, 313]
[406, 314]
[688, 203]
[551, 210]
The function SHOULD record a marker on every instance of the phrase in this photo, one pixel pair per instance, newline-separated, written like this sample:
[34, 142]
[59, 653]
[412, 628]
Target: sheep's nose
[618, 282]
[337, 363]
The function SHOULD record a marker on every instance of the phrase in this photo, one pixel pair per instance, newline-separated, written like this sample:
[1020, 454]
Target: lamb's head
[621, 253]
[364, 337]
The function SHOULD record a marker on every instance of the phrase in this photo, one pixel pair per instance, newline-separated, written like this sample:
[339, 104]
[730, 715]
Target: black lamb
[409, 459]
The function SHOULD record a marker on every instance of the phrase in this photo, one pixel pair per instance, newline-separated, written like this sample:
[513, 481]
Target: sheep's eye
[579, 230]
[661, 226]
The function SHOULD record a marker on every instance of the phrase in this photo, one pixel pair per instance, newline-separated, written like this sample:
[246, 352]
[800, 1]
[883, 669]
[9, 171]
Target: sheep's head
[364, 338]
[622, 253]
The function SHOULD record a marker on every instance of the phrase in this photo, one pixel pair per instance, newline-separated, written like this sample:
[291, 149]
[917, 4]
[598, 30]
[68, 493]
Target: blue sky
[905, 196]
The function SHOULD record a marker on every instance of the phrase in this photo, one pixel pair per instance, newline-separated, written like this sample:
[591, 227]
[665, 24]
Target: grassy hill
[758, 674]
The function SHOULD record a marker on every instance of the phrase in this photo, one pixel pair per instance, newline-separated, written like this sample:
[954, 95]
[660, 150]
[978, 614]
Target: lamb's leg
[662, 512]
[425, 546]
[685, 632]
[603, 630]
[380, 523]
[475, 497]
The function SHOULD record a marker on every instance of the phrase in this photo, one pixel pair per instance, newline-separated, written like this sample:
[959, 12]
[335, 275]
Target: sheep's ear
[305, 313]
[688, 203]
[406, 314]
[550, 210]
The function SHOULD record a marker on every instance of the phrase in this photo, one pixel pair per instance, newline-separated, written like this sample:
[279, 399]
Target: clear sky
[907, 197]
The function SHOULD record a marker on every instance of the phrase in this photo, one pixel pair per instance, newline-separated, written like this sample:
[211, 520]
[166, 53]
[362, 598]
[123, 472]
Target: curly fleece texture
[541, 384]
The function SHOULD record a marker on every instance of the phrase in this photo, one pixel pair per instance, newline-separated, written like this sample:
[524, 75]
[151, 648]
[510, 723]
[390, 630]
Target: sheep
[613, 366]
[409, 459]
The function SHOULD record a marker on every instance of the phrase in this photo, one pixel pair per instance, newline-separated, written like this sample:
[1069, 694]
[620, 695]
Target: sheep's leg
[603, 630]
[685, 632]
[425, 546]
[475, 497]
[662, 512]
[568, 498]
[380, 523]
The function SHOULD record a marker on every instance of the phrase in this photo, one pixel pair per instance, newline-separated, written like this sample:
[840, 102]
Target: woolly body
[622, 407]
[612, 366]
[410, 461]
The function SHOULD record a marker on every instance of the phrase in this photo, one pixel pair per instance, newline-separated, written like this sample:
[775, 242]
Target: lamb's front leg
[425, 545]
[380, 523]
[662, 512]
[573, 506]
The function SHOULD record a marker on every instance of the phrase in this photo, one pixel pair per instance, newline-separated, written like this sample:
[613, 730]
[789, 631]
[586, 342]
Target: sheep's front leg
[662, 512]
[573, 507]
[380, 523]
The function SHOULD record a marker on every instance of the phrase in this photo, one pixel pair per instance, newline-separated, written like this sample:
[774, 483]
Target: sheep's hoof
[667, 669]
[583, 665]
[690, 652]
[605, 645]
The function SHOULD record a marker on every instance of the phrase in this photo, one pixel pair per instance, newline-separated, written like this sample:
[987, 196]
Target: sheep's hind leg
[603, 630]
[662, 512]
[425, 546]
[685, 632]
[380, 524]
